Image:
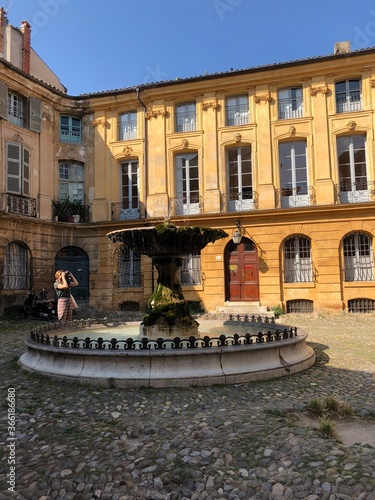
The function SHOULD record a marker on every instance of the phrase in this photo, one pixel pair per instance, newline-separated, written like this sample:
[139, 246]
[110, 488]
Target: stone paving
[244, 441]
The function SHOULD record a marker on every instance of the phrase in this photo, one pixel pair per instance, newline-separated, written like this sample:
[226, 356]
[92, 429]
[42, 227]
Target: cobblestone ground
[244, 441]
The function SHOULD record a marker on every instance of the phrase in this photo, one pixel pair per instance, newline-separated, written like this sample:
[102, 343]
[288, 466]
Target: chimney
[341, 47]
[26, 46]
[3, 23]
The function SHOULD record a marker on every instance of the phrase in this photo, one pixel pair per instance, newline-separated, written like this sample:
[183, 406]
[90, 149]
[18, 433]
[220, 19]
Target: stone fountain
[167, 244]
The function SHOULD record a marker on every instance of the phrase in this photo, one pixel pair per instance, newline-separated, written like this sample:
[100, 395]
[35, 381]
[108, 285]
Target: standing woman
[63, 281]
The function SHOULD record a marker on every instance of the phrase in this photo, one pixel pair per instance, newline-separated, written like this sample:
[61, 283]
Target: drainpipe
[145, 170]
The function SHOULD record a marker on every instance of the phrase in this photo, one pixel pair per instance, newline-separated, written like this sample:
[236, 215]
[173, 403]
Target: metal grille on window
[358, 261]
[16, 274]
[299, 306]
[361, 305]
[297, 260]
[190, 271]
[129, 268]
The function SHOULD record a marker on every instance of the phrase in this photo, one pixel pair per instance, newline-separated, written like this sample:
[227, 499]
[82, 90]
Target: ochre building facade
[280, 157]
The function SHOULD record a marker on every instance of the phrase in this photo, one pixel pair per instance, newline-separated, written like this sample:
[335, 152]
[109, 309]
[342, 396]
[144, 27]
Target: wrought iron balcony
[21, 205]
[360, 191]
[293, 197]
[185, 205]
[119, 212]
[239, 202]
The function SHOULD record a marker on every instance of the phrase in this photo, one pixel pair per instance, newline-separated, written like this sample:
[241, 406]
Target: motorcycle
[39, 306]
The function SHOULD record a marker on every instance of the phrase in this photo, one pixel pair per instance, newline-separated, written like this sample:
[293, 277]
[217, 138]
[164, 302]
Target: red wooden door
[241, 272]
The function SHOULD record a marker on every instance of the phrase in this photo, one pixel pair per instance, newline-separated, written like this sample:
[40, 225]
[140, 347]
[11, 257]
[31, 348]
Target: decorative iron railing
[240, 202]
[119, 212]
[300, 196]
[182, 205]
[15, 204]
[355, 192]
[41, 335]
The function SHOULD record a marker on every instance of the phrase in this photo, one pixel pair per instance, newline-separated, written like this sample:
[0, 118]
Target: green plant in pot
[67, 210]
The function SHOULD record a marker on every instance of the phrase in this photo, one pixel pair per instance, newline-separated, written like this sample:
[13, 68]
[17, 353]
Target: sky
[99, 45]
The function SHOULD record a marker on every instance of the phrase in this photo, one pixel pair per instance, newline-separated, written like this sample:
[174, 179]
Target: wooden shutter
[35, 111]
[3, 101]
[13, 152]
[26, 172]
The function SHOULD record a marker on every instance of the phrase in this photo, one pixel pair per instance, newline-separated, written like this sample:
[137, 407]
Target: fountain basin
[170, 367]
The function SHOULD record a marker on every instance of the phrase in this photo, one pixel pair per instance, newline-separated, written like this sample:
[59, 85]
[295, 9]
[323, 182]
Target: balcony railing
[355, 192]
[185, 122]
[15, 204]
[118, 212]
[292, 197]
[183, 205]
[290, 108]
[239, 202]
[348, 103]
[237, 115]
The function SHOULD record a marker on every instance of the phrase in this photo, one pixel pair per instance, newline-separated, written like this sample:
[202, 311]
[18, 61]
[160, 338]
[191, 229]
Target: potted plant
[67, 210]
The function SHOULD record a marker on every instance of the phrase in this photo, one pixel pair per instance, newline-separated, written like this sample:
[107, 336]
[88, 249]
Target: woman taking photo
[65, 302]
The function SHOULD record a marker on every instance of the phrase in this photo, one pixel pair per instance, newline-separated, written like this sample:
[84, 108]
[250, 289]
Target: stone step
[243, 308]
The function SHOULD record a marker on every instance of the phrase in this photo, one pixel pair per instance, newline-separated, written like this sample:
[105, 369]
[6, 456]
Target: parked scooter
[39, 306]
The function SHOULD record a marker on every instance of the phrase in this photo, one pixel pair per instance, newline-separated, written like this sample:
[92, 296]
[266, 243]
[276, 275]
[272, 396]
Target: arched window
[190, 271]
[297, 259]
[129, 268]
[16, 275]
[358, 260]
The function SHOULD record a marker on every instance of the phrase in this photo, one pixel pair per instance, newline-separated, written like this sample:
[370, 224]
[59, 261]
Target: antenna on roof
[7, 6]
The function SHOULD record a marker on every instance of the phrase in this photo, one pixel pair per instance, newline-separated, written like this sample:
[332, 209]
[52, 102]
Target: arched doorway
[241, 272]
[75, 260]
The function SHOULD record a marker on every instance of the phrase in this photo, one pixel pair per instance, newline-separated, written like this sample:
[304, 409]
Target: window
[71, 129]
[71, 181]
[351, 153]
[187, 184]
[18, 169]
[299, 306]
[16, 274]
[16, 109]
[348, 96]
[293, 174]
[129, 268]
[237, 110]
[129, 190]
[358, 261]
[290, 103]
[190, 271]
[361, 305]
[240, 180]
[185, 117]
[297, 260]
[128, 126]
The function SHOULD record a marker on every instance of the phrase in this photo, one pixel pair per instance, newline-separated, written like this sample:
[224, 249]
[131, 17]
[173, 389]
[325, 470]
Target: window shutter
[13, 153]
[35, 108]
[26, 172]
[3, 101]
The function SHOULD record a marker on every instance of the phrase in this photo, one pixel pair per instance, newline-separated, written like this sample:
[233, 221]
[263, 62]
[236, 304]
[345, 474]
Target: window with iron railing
[358, 258]
[16, 274]
[186, 117]
[298, 265]
[237, 110]
[290, 103]
[240, 179]
[190, 271]
[348, 96]
[129, 268]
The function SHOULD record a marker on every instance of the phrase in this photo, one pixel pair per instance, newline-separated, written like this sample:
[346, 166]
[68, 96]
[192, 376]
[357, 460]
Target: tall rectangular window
[240, 180]
[16, 273]
[187, 184]
[128, 126]
[71, 181]
[190, 271]
[358, 259]
[293, 174]
[348, 96]
[237, 110]
[185, 117]
[16, 109]
[129, 190]
[129, 268]
[351, 153]
[70, 129]
[18, 169]
[297, 260]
